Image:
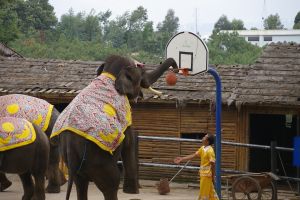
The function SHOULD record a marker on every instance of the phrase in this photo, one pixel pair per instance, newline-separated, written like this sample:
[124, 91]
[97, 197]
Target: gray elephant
[42, 114]
[95, 128]
[24, 150]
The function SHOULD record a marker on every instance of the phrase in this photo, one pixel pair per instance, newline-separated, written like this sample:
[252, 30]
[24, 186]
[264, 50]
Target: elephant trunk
[154, 75]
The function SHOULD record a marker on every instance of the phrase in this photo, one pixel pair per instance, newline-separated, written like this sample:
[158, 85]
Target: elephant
[95, 129]
[24, 150]
[42, 114]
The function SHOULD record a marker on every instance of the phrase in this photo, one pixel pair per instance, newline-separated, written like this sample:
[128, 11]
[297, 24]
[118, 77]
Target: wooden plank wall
[168, 121]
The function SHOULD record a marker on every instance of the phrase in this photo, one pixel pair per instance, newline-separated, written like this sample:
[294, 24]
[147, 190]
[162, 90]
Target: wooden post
[274, 164]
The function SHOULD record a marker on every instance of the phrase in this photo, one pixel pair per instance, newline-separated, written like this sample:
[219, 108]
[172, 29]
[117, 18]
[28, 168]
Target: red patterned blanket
[98, 113]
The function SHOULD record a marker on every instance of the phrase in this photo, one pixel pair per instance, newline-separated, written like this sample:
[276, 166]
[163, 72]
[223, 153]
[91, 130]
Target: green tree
[36, 14]
[229, 48]
[237, 24]
[104, 20]
[222, 24]
[71, 25]
[5, 2]
[9, 23]
[170, 24]
[272, 22]
[297, 21]
[92, 27]
[150, 42]
[116, 31]
[167, 29]
[136, 24]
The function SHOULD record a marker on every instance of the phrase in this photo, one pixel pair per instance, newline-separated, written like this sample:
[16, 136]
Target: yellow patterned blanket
[35, 110]
[15, 132]
[98, 113]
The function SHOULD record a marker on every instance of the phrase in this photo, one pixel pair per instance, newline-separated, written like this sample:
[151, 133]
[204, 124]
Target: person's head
[208, 139]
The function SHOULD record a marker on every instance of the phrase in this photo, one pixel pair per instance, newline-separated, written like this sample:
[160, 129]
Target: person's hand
[177, 160]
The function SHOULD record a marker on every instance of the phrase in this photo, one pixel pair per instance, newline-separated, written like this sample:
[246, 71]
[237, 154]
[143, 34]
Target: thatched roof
[5, 51]
[54, 80]
[273, 79]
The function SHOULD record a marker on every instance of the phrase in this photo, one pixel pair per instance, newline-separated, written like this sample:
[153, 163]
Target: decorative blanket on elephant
[35, 110]
[15, 132]
[98, 113]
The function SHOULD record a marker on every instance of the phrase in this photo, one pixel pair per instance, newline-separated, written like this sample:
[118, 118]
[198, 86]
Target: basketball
[171, 78]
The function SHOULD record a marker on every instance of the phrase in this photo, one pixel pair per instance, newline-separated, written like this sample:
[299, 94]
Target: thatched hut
[261, 102]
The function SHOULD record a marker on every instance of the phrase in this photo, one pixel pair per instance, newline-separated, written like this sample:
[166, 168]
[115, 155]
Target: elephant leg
[82, 185]
[4, 182]
[107, 180]
[130, 162]
[53, 170]
[28, 185]
[39, 187]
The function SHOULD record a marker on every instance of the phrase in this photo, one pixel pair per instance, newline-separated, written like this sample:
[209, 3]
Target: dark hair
[210, 138]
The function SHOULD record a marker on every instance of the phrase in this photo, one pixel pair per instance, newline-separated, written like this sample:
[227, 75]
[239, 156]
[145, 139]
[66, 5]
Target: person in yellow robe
[207, 167]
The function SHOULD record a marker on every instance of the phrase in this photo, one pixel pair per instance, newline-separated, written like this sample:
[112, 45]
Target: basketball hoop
[189, 51]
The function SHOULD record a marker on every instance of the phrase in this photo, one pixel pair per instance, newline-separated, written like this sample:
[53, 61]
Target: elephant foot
[53, 189]
[130, 186]
[4, 185]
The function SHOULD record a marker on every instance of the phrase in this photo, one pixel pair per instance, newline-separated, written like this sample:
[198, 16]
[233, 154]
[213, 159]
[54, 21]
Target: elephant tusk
[155, 91]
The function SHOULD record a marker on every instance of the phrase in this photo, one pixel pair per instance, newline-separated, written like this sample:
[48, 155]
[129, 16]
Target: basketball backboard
[189, 51]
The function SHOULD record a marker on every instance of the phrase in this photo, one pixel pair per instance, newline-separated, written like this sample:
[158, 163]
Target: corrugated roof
[273, 79]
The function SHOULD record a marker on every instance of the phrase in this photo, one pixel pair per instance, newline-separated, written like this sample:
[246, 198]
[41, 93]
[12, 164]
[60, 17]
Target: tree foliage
[167, 28]
[272, 22]
[224, 24]
[93, 36]
[37, 14]
[229, 48]
[297, 21]
[9, 23]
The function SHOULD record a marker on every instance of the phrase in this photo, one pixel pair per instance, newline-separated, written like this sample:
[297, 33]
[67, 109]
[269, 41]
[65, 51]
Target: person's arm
[177, 160]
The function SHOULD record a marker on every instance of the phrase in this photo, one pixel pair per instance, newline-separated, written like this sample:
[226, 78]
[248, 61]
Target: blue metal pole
[215, 74]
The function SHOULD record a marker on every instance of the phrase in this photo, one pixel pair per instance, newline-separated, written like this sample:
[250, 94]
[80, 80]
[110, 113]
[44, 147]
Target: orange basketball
[171, 78]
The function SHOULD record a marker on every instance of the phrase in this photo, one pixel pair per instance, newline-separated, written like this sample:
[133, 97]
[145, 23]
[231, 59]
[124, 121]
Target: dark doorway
[265, 128]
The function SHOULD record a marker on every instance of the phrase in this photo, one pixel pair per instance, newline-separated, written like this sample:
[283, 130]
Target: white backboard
[189, 51]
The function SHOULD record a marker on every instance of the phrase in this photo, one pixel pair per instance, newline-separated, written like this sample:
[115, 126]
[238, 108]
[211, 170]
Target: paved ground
[147, 192]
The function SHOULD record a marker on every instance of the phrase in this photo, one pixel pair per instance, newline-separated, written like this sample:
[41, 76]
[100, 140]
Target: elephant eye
[128, 77]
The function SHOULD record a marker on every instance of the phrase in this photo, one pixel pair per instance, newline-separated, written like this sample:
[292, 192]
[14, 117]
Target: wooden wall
[170, 121]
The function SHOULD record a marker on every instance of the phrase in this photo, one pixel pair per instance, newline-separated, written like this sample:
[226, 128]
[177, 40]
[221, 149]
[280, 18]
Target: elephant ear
[99, 70]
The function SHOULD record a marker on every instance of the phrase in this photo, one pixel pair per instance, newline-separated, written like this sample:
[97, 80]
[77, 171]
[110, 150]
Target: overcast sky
[208, 11]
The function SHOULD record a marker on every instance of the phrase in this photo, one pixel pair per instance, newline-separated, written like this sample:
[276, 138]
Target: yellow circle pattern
[12, 108]
[109, 110]
[8, 127]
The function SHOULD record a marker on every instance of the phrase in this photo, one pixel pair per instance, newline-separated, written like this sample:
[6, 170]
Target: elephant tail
[70, 183]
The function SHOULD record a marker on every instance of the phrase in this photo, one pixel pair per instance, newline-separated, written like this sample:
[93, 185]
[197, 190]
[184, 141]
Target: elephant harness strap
[15, 132]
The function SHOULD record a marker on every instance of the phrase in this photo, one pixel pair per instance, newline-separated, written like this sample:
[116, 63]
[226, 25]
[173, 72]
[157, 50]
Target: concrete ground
[179, 191]
[147, 192]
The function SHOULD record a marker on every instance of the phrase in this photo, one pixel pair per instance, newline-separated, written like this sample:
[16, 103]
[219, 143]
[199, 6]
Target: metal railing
[272, 148]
